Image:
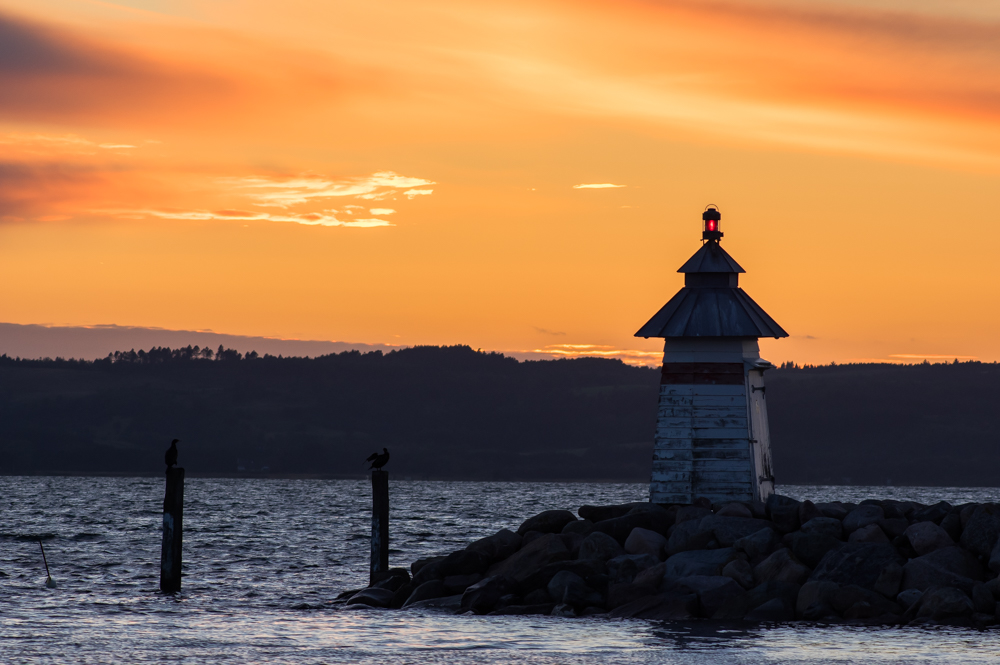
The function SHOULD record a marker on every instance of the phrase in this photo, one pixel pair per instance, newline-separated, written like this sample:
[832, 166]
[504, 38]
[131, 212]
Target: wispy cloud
[286, 192]
[326, 218]
[628, 356]
[598, 185]
[548, 332]
[382, 211]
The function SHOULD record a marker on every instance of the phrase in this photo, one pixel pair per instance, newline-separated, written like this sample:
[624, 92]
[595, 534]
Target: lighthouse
[712, 437]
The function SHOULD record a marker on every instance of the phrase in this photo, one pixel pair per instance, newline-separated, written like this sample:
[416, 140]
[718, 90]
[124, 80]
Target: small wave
[87, 536]
[27, 537]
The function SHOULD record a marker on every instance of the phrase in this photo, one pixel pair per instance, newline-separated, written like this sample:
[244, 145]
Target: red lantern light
[711, 218]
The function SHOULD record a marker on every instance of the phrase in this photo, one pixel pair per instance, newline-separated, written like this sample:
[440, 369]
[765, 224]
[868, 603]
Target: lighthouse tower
[711, 432]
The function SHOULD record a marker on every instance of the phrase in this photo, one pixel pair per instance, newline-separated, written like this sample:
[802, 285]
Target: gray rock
[426, 591]
[455, 584]
[808, 511]
[417, 565]
[499, 546]
[583, 527]
[889, 580]
[712, 591]
[600, 513]
[482, 597]
[687, 536]
[663, 607]
[629, 592]
[948, 566]
[593, 572]
[894, 527]
[530, 537]
[644, 541]
[776, 609]
[569, 588]
[785, 518]
[740, 571]
[619, 528]
[934, 513]
[655, 518]
[855, 563]
[734, 510]
[600, 546]
[688, 513]
[982, 599]
[699, 562]
[908, 597]
[563, 610]
[994, 561]
[538, 597]
[450, 604]
[849, 596]
[624, 568]
[758, 544]
[994, 587]
[523, 610]
[862, 516]
[965, 512]
[780, 567]
[401, 595]
[952, 524]
[653, 576]
[373, 597]
[549, 521]
[572, 541]
[462, 562]
[943, 602]
[542, 551]
[814, 600]
[833, 509]
[727, 530]
[811, 547]
[868, 534]
[925, 537]
[982, 530]
[824, 525]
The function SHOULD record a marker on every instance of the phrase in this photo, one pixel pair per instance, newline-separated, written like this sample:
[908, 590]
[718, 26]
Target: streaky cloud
[599, 185]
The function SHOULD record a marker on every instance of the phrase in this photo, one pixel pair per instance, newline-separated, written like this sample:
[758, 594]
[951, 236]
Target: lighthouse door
[760, 437]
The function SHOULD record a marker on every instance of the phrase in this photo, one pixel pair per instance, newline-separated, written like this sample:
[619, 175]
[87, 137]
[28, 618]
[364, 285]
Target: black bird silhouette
[170, 457]
[378, 460]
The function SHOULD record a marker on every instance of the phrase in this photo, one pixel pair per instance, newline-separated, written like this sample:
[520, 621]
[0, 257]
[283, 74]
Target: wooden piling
[173, 523]
[380, 524]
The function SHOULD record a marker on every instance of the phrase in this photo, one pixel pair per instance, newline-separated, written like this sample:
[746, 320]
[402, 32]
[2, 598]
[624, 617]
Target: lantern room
[712, 437]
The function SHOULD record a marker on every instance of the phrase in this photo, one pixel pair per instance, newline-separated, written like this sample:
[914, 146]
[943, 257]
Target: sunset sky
[427, 172]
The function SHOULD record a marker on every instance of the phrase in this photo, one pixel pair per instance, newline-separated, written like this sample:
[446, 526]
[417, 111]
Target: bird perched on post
[378, 460]
[170, 457]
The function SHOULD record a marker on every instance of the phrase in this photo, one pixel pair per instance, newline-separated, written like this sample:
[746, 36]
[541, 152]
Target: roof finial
[711, 223]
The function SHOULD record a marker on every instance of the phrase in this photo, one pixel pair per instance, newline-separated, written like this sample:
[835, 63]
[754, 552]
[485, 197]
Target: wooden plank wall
[702, 446]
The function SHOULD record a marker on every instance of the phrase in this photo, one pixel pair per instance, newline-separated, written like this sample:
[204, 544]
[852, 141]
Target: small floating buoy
[49, 582]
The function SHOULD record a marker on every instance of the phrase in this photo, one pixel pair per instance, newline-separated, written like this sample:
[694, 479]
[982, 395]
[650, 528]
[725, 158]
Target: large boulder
[868, 534]
[741, 572]
[593, 572]
[713, 591]
[982, 530]
[758, 544]
[685, 536]
[426, 591]
[624, 568]
[372, 597]
[952, 524]
[774, 610]
[699, 562]
[549, 521]
[600, 546]
[645, 541]
[734, 510]
[994, 561]
[582, 527]
[619, 528]
[692, 513]
[865, 603]
[727, 530]
[540, 552]
[810, 547]
[628, 592]
[862, 516]
[824, 525]
[781, 566]
[600, 513]
[740, 606]
[662, 607]
[814, 600]
[569, 588]
[833, 509]
[934, 513]
[855, 563]
[462, 562]
[497, 547]
[948, 566]
[925, 537]
[982, 599]
[808, 511]
[944, 602]
[783, 512]
[482, 597]
[894, 527]
[455, 584]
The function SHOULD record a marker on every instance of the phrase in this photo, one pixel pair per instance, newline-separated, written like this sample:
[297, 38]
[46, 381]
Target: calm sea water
[264, 558]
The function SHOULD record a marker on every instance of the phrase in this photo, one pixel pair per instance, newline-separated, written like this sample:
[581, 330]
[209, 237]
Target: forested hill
[451, 412]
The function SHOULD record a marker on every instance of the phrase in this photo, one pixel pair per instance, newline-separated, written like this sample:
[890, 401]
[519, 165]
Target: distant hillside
[451, 412]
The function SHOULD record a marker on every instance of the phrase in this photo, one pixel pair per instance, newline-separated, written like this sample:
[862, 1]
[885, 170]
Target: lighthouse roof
[711, 312]
[711, 258]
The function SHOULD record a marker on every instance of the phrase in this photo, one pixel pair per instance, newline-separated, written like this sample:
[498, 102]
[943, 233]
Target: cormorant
[378, 460]
[170, 457]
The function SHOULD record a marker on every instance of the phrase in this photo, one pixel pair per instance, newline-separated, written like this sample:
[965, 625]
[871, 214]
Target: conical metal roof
[711, 306]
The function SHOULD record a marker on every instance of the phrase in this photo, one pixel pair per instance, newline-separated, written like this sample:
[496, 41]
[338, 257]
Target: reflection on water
[263, 558]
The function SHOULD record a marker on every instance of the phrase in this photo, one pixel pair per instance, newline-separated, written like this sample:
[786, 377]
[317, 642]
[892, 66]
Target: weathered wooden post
[712, 437]
[173, 525]
[380, 524]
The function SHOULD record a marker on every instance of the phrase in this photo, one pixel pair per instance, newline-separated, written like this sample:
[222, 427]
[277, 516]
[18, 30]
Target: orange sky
[405, 173]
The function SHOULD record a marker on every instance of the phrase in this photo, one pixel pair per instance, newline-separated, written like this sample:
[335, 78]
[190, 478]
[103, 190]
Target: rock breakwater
[878, 562]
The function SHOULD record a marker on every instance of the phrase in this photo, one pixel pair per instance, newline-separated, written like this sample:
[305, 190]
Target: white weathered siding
[760, 435]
